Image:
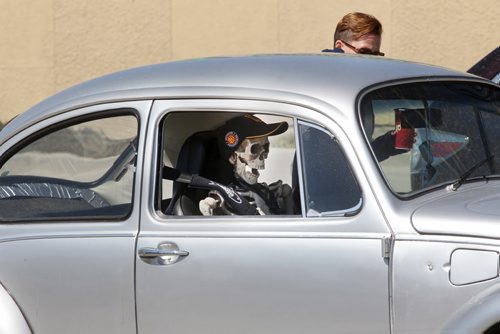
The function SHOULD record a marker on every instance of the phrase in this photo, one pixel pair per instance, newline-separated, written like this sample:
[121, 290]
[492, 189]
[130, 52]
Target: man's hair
[355, 25]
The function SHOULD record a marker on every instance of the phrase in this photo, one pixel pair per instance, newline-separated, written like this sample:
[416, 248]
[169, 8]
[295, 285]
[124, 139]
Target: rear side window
[330, 187]
[80, 171]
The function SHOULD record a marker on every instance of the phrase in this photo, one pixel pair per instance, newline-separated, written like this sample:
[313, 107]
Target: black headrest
[193, 159]
[193, 153]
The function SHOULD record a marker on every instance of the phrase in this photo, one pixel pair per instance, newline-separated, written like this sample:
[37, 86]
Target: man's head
[243, 142]
[358, 33]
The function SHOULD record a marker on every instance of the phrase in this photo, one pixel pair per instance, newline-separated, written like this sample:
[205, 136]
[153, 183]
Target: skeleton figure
[244, 143]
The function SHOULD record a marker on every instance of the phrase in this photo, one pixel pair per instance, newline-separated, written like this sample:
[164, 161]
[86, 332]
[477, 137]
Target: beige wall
[48, 45]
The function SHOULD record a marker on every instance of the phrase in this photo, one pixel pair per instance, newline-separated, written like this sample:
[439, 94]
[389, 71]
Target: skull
[249, 158]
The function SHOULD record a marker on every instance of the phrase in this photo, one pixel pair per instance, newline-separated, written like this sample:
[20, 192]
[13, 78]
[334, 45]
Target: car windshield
[431, 134]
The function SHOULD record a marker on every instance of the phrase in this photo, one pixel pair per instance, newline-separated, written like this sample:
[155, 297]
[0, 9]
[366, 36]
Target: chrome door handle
[149, 252]
[165, 253]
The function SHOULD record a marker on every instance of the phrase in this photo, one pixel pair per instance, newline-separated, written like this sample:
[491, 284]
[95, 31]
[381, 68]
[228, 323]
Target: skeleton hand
[283, 194]
[208, 205]
[213, 202]
[276, 188]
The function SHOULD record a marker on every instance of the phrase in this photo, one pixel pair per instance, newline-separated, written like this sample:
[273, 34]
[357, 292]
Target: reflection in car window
[437, 132]
[330, 186]
[82, 171]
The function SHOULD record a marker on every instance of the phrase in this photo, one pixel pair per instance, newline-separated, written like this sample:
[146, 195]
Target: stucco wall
[48, 45]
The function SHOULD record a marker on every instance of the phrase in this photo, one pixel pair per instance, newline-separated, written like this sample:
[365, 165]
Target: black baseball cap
[237, 129]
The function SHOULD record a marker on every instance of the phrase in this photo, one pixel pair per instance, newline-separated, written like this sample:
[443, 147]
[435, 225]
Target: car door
[320, 269]
[69, 218]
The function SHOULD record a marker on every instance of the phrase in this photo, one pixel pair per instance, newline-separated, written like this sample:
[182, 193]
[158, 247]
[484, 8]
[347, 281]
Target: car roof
[323, 76]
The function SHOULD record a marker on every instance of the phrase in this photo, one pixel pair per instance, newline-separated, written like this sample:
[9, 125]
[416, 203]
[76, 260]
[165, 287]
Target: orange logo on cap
[231, 139]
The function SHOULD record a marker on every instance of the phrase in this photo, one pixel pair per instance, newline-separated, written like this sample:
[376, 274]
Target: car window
[82, 170]
[431, 134]
[231, 164]
[330, 186]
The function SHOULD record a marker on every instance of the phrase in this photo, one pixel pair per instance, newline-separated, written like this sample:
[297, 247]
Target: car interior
[190, 146]
[83, 171]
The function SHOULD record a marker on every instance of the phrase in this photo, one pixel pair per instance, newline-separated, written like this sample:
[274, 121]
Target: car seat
[199, 155]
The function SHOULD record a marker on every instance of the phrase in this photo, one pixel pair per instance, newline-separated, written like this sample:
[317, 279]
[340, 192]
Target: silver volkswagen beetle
[259, 194]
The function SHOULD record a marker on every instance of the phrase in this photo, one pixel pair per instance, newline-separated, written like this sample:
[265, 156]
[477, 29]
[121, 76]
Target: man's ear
[232, 158]
[338, 44]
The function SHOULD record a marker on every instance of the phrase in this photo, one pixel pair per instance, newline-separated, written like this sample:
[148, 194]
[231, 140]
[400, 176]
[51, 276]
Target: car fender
[12, 319]
[477, 315]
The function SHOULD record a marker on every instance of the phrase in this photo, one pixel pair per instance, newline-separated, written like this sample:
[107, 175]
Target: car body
[91, 239]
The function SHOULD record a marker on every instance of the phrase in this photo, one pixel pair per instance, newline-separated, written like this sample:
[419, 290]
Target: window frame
[159, 132]
[157, 194]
